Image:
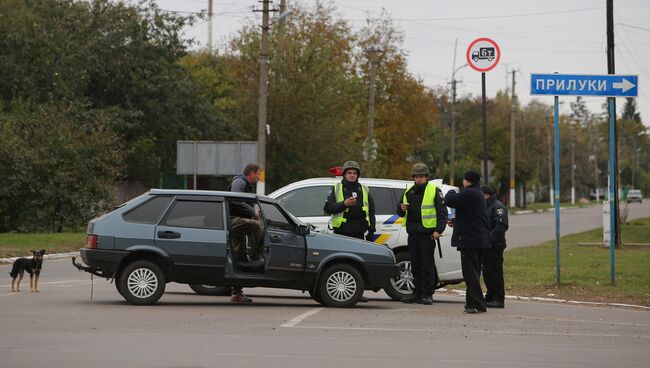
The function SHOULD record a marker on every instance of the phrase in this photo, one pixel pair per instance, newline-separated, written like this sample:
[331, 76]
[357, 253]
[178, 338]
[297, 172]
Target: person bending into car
[244, 222]
[425, 219]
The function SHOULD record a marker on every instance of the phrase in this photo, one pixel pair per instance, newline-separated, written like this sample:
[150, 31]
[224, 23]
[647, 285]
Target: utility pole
[442, 137]
[370, 148]
[611, 69]
[550, 163]
[210, 25]
[262, 126]
[452, 113]
[512, 143]
[573, 170]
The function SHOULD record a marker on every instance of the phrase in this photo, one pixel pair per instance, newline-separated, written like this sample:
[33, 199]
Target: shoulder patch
[500, 211]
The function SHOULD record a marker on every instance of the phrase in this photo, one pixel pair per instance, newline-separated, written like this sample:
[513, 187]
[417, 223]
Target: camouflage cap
[420, 169]
[352, 165]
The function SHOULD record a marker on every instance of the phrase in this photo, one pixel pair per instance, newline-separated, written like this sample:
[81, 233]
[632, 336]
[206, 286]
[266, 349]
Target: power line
[494, 16]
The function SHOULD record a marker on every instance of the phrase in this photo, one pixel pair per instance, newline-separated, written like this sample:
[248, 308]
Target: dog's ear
[43, 251]
[33, 251]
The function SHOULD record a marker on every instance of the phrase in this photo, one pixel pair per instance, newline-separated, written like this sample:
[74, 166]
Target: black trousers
[493, 275]
[471, 259]
[421, 248]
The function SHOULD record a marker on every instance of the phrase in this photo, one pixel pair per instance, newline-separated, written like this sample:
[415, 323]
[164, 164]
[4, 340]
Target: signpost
[610, 85]
[483, 55]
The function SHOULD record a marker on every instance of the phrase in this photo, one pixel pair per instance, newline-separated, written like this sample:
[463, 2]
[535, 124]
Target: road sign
[483, 54]
[612, 85]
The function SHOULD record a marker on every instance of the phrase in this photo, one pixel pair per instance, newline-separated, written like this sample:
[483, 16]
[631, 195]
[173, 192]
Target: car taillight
[91, 241]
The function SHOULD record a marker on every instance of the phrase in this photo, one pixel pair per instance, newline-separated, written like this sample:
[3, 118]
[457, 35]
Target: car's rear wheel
[341, 286]
[141, 283]
[210, 290]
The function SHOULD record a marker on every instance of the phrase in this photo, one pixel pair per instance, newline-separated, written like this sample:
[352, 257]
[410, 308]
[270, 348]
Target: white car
[305, 199]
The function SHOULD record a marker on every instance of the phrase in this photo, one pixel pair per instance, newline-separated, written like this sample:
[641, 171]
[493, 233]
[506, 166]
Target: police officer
[470, 237]
[425, 219]
[351, 205]
[493, 257]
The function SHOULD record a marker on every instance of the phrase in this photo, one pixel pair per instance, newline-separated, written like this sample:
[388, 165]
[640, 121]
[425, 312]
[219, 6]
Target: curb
[47, 256]
[559, 301]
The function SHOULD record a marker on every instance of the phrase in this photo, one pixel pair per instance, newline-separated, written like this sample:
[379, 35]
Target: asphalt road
[535, 228]
[62, 327]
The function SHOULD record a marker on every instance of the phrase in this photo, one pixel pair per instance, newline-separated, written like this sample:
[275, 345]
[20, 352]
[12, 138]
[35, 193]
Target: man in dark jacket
[470, 236]
[244, 223]
[351, 205]
[493, 258]
[425, 218]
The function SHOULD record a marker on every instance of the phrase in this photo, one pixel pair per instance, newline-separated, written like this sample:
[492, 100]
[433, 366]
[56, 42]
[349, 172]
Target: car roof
[392, 183]
[219, 193]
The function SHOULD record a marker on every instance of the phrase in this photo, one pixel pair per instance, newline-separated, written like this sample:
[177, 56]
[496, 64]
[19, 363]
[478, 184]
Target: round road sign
[483, 54]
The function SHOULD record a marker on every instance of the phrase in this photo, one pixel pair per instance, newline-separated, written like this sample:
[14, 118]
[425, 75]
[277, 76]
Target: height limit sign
[483, 54]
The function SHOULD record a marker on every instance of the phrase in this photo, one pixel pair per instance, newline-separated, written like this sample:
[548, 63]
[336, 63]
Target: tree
[629, 110]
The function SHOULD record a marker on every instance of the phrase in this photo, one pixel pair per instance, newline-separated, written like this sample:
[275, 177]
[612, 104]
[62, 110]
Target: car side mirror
[303, 230]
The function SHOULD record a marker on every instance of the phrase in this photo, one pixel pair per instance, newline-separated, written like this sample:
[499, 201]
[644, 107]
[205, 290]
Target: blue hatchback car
[183, 236]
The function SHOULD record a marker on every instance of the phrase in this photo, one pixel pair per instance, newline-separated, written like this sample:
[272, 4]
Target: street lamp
[453, 125]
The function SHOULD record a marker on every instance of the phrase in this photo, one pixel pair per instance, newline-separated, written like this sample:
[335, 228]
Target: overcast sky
[565, 36]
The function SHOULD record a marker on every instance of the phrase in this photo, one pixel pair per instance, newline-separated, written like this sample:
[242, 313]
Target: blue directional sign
[611, 85]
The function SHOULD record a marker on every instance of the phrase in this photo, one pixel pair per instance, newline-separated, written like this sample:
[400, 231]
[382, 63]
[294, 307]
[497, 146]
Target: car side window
[399, 194]
[306, 202]
[198, 214]
[275, 219]
[150, 211]
[384, 200]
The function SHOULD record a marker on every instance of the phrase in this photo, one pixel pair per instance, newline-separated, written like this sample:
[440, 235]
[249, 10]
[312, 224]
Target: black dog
[32, 266]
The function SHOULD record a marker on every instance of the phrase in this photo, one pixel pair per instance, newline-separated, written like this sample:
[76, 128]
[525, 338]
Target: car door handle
[275, 239]
[168, 234]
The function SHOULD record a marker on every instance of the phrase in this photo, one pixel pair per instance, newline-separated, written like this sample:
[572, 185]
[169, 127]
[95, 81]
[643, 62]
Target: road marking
[296, 320]
[568, 334]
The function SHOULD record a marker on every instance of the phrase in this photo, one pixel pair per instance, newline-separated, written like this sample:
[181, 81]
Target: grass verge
[19, 245]
[584, 269]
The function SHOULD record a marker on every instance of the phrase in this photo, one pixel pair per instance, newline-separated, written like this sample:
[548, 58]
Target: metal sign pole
[612, 202]
[485, 137]
[556, 190]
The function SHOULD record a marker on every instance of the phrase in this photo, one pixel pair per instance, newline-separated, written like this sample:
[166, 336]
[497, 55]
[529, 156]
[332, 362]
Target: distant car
[183, 236]
[634, 195]
[305, 199]
[601, 194]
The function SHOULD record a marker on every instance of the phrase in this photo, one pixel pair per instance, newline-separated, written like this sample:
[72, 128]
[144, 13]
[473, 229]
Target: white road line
[295, 320]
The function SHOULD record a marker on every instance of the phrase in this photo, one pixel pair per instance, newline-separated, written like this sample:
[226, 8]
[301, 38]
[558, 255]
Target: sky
[564, 36]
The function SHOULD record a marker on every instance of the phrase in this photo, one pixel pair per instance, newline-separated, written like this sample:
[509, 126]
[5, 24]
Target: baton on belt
[439, 248]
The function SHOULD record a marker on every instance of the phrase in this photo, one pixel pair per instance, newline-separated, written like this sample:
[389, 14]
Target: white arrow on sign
[625, 85]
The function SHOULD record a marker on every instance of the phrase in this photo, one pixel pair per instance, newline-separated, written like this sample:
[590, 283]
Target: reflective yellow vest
[337, 218]
[428, 208]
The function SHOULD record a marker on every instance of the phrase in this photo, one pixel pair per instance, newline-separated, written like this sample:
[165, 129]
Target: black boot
[414, 298]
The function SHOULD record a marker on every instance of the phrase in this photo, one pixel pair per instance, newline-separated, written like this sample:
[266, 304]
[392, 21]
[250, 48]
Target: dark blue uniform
[493, 258]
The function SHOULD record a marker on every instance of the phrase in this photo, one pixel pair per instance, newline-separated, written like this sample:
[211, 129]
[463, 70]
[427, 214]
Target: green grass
[584, 269]
[18, 244]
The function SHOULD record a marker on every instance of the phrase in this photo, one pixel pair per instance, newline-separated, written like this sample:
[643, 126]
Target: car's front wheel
[402, 285]
[341, 286]
[141, 283]
[210, 290]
